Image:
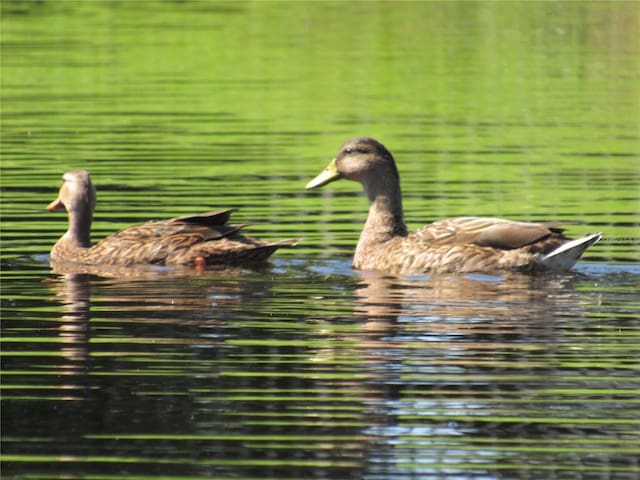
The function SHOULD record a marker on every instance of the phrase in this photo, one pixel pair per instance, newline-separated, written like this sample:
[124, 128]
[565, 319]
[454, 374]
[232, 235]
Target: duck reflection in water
[138, 288]
[73, 292]
[442, 353]
[141, 309]
[470, 303]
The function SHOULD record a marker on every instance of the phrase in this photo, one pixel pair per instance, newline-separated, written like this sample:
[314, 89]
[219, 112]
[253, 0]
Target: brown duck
[461, 244]
[203, 239]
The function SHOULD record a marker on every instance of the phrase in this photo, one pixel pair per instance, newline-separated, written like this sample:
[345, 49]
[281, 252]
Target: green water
[306, 368]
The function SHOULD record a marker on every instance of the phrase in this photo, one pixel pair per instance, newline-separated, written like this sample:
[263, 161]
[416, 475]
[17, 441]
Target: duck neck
[385, 219]
[79, 233]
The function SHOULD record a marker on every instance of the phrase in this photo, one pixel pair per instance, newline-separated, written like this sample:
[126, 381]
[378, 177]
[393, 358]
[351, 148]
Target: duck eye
[348, 150]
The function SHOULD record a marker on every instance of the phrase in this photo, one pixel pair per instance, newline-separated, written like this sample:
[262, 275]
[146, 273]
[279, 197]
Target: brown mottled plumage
[462, 244]
[203, 239]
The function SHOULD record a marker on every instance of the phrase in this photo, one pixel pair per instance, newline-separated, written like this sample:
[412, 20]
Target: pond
[304, 367]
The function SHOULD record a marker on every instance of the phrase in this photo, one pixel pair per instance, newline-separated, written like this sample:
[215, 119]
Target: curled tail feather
[565, 256]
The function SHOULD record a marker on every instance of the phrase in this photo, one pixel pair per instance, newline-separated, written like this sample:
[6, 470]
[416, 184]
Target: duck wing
[487, 232]
[214, 218]
[162, 241]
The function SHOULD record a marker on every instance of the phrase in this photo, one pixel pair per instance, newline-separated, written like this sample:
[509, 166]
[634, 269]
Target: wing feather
[485, 232]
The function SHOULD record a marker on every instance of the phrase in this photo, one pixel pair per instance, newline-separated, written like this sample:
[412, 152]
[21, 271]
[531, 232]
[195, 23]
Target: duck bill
[328, 175]
[55, 205]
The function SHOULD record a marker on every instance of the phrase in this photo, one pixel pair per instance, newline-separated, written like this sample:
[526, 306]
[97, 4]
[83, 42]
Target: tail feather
[565, 256]
[262, 252]
[239, 253]
[290, 242]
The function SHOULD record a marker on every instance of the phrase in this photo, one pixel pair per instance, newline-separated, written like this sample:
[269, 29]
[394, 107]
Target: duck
[200, 240]
[454, 245]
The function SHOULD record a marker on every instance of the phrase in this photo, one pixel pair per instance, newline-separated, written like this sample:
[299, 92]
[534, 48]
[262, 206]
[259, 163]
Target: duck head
[77, 194]
[362, 160]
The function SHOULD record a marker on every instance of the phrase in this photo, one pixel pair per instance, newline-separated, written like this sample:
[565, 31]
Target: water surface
[305, 368]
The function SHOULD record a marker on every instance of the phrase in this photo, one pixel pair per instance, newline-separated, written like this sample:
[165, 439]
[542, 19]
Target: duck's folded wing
[158, 241]
[486, 232]
[219, 217]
